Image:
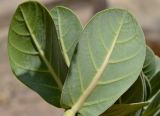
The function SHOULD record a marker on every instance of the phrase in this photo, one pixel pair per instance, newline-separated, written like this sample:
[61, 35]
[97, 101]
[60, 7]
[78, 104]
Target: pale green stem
[69, 113]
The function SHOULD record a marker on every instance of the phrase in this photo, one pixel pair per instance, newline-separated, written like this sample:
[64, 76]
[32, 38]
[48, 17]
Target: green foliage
[103, 69]
[135, 93]
[149, 67]
[98, 56]
[68, 29]
[154, 106]
[154, 81]
[34, 51]
[124, 109]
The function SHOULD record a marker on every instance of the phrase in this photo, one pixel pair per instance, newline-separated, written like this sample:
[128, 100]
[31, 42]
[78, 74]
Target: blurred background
[15, 98]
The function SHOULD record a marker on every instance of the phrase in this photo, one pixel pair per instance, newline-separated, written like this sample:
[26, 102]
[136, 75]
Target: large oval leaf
[109, 59]
[68, 28]
[34, 51]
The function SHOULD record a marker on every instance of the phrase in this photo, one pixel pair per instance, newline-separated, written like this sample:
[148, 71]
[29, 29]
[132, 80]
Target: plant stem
[69, 113]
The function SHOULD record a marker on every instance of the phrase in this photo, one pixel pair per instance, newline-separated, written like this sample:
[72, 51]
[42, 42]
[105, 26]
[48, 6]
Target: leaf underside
[109, 59]
[34, 52]
[141, 88]
[68, 28]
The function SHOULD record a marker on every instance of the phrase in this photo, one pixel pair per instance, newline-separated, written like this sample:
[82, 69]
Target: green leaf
[34, 51]
[148, 88]
[157, 113]
[124, 109]
[155, 83]
[149, 67]
[157, 64]
[69, 29]
[154, 105]
[109, 59]
[149, 70]
[135, 93]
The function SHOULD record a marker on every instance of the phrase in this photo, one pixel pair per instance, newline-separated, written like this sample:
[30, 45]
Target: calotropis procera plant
[102, 69]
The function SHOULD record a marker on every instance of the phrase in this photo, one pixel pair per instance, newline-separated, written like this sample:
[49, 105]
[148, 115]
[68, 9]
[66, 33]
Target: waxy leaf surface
[35, 53]
[68, 28]
[109, 59]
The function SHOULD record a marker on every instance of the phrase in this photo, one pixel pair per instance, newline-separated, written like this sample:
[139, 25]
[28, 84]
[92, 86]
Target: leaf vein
[20, 33]
[50, 68]
[116, 79]
[127, 40]
[80, 77]
[97, 76]
[62, 41]
[26, 68]
[25, 52]
[91, 56]
[44, 85]
[125, 59]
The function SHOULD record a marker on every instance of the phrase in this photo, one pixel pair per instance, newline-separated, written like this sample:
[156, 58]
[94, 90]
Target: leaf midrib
[75, 108]
[42, 55]
[61, 40]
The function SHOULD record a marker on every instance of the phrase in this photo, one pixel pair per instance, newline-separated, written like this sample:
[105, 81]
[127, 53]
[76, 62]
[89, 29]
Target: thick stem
[69, 113]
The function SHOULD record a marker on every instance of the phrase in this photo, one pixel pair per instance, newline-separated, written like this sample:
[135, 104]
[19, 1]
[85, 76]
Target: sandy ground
[15, 98]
